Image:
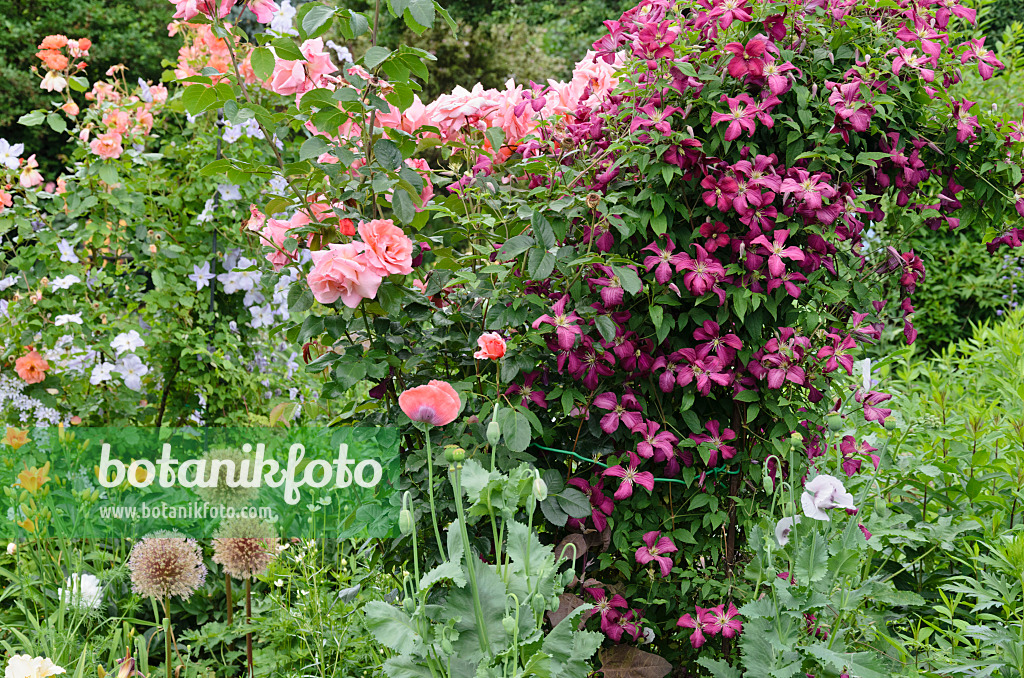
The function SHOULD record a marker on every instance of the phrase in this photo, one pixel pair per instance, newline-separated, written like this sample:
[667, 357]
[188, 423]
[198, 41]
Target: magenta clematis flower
[717, 440]
[949, 8]
[612, 293]
[742, 116]
[607, 606]
[601, 506]
[777, 250]
[594, 362]
[747, 60]
[809, 190]
[716, 234]
[778, 84]
[965, 125]
[702, 368]
[724, 622]
[987, 61]
[916, 62]
[656, 547]
[630, 475]
[720, 193]
[698, 624]
[852, 112]
[670, 370]
[788, 280]
[662, 261]
[528, 393]
[624, 623]
[656, 117]
[564, 323]
[655, 443]
[726, 11]
[627, 411]
[850, 450]
[724, 346]
[838, 353]
[870, 401]
[705, 272]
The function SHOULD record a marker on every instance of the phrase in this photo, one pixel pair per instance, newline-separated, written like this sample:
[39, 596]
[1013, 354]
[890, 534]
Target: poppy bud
[493, 433]
[509, 624]
[835, 422]
[540, 488]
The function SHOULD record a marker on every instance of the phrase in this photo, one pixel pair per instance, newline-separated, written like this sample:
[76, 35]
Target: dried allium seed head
[227, 462]
[245, 547]
[166, 565]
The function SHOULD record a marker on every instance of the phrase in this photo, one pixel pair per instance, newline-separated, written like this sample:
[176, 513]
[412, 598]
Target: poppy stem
[430, 493]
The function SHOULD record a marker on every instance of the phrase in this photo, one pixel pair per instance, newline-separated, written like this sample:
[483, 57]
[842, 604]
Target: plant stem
[167, 637]
[227, 590]
[248, 620]
[430, 494]
[481, 626]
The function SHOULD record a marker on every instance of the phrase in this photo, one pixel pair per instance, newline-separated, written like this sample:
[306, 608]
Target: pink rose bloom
[144, 120]
[186, 9]
[117, 121]
[159, 93]
[341, 272]
[274, 234]
[264, 10]
[492, 346]
[30, 176]
[388, 248]
[107, 145]
[5, 200]
[296, 77]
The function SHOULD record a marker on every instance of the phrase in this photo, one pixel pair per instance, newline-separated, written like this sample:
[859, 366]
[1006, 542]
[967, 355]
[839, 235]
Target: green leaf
[542, 229]
[300, 298]
[312, 147]
[422, 12]
[719, 668]
[391, 626]
[515, 429]
[263, 62]
[32, 119]
[856, 664]
[606, 327]
[375, 56]
[452, 568]
[515, 246]
[317, 21]
[56, 122]
[629, 279]
[540, 264]
[403, 206]
[78, 83]
[387, 154]
[285, 49]
[108, 174]
[574, 502]
[811, 562]
[347, 375]
[553, 512]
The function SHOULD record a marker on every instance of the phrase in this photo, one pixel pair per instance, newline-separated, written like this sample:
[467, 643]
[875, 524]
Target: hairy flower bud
[405, 521]
[835, 422]
[493, 433]
[540, 488]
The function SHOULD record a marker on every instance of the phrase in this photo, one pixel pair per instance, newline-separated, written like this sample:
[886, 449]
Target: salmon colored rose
[436, 403]
[31, 367]
[107, 146]
[388, 248]
[342, 272]
[492, 346]
[274, 234]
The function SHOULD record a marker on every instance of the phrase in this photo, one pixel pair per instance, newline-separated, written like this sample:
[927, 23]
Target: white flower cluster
[129, 366]
[250, 128]
[30, 410]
